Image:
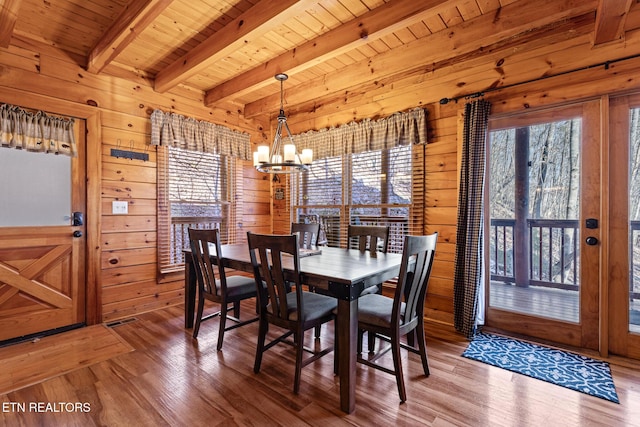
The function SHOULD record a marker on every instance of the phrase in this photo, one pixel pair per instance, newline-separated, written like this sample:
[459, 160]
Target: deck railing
[180, 233]
[634, 262]
[553, 249]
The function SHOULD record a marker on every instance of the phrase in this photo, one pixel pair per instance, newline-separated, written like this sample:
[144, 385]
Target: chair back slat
[369, 237]
[276, 269]
[307, 234]
[207, 262]
[276, 255]
[417, 260]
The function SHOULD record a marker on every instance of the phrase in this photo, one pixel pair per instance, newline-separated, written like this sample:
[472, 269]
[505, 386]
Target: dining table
[338, 272]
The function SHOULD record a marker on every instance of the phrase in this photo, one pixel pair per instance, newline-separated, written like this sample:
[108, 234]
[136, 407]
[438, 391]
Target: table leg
[347, 347]
[189, 292]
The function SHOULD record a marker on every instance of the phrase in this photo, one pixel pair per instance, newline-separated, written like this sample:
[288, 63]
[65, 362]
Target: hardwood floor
[32, 362]
[172, 380]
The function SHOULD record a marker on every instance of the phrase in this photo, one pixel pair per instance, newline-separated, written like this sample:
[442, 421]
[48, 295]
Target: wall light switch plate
[119, 208]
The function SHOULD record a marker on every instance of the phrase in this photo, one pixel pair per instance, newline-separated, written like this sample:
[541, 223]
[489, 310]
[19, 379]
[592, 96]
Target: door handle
[591, 241]
[77, 233]
[77, 219]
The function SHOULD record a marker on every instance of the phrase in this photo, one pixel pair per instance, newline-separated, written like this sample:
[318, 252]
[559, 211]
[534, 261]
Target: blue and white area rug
[558, 367]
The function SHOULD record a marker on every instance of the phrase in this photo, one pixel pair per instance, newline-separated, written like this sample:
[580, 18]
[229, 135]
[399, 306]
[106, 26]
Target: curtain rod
[605, 64]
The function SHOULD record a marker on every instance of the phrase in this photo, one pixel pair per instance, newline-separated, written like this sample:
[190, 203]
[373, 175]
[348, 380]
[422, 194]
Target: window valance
[36, 131]
[366, 135]
[190, 134]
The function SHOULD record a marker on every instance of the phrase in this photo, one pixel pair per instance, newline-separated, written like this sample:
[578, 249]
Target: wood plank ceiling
[231, 49]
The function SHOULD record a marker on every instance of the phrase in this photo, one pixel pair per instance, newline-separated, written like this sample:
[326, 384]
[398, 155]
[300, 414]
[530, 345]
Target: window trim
[231, 193]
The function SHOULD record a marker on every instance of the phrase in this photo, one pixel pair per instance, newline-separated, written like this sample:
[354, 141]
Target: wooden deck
[172, 380]
[547, 302]
[538, 301]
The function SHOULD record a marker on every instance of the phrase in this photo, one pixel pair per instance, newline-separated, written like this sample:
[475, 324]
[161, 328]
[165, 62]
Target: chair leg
[360, 336]
[262, 334]
[318, 328]
[397, 364]
[236, 310]
[196, 327]
[223, 324]
[422, 345]
[371, 341]
[371, 336]
[336, 350]
[299, 350]
[411, 338]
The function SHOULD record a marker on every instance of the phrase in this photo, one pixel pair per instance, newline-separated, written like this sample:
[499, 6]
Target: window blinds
[194, 190]
[380, 187]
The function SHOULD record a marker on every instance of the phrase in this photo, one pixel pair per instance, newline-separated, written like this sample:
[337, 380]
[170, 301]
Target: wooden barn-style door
[42, 240]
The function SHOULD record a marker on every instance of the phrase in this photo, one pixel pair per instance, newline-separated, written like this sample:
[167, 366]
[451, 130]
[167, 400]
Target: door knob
[77, 233]
[591, 241]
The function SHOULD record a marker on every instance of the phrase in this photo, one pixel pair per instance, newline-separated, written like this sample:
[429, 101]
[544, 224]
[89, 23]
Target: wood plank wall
[127, 262]
[552, 54]
[441, 165]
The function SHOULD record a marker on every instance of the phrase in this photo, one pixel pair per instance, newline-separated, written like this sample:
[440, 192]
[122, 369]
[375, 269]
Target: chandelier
[283, 156]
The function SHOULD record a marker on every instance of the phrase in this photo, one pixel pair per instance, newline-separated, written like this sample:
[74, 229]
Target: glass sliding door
[624, 211]
[634, 219]
[539, 181]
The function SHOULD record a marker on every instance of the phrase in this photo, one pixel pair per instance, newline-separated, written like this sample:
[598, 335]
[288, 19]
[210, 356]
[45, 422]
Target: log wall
[125, 269]
[126, 265]
[545, 72]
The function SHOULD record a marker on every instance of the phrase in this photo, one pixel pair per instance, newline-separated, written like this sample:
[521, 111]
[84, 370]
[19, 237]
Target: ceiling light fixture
[283, 157]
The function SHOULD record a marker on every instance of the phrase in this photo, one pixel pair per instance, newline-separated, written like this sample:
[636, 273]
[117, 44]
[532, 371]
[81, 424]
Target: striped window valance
[366, 135]
[187, 133]
[36, 131]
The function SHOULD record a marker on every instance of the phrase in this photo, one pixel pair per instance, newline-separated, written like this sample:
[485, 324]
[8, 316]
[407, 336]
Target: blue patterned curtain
[469, 237]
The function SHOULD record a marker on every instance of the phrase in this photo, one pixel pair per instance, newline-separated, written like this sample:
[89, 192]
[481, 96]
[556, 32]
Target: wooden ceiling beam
[473, 35]
[8, 17]
[263, 17]
[382, 21]
[135, 17]
[519, 60]
[610, 18]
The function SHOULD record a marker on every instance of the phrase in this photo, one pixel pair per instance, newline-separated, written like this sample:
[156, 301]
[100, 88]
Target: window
[379, 187]
[197, 181]
[195, 190]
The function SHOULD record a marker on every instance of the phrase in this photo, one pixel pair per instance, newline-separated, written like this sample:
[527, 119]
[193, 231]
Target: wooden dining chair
[307, 234]
[215, 286]
[372, 238]
[289, 308]
[390, 319]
